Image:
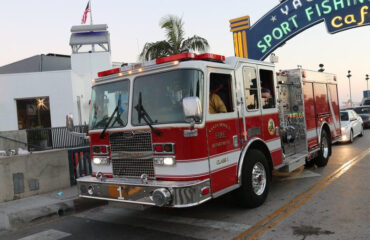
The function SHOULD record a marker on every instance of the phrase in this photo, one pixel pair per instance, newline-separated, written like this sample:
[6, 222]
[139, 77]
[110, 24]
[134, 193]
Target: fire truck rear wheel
[325, 149]
[256, 179]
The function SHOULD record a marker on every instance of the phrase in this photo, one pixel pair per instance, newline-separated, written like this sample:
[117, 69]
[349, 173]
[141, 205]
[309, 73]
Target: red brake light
[177, 57]
[335, 78]
[211, 57]
[304, 74]
[109, 72]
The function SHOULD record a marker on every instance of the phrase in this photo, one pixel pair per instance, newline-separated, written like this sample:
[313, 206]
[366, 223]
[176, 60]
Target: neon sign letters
[292, 17]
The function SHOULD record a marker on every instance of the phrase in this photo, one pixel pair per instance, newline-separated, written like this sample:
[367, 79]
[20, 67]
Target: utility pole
[349, 80]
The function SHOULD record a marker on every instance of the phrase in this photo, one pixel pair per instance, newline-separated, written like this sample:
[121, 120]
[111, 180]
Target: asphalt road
[316, 203]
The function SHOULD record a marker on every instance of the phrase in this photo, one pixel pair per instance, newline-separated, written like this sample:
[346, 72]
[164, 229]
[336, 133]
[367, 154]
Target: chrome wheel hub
[258, 178]
[325, 147]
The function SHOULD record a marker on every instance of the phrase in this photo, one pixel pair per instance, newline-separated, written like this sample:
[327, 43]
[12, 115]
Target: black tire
[362, 131]
[325, 150]
[310, 163]
[247, 195]
[351, 136]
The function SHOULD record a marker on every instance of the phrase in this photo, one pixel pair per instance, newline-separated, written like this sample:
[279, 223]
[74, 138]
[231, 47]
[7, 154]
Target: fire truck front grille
[131, 142]
[132, 154]
[133, 167]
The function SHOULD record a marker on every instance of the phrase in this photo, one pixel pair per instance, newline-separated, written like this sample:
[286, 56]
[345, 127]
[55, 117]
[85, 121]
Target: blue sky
[43, 26]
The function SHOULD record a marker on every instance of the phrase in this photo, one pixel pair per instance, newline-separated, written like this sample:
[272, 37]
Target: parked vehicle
[351, 125]
[184, 129]
[366, 100]
[364, 113]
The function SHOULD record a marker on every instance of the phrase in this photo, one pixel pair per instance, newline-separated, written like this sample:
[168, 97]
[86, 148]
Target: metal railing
[40, 139]
[79, 163]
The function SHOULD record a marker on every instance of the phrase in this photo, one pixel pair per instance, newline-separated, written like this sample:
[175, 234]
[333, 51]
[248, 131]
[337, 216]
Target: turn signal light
[164, 148]
[100, 150]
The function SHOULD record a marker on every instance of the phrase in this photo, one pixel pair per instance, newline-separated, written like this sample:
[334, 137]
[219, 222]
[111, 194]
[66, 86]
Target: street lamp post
[367, 81]
[349, 80]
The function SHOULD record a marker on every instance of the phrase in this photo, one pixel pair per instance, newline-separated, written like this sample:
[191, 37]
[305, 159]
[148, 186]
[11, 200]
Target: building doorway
[33, 113]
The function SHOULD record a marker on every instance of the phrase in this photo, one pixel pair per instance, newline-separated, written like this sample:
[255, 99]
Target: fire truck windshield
[162, 94]
[109, 99]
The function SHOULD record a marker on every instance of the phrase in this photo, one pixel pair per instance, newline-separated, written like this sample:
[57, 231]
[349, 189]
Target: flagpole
[91, 21]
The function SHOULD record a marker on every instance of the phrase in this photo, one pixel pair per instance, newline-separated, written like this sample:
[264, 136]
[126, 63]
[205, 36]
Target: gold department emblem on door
[271, 126]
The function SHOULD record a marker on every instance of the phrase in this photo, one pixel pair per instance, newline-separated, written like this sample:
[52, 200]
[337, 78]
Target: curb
[15, 220]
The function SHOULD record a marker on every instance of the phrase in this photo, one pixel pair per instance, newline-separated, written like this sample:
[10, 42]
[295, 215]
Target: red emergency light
[109, 72]
[191, 56]
[177, 57]
[210, 57]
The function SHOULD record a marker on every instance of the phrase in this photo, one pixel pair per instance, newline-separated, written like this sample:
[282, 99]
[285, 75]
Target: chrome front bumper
[183, 193]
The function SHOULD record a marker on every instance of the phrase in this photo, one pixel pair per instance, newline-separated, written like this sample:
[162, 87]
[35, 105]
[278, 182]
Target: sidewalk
[17, 213]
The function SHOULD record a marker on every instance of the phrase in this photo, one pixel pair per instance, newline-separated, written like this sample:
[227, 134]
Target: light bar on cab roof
[210, 57]
[177, 57]
[109, 72]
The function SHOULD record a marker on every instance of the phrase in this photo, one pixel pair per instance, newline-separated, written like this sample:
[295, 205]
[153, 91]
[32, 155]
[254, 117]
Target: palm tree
[175, 42]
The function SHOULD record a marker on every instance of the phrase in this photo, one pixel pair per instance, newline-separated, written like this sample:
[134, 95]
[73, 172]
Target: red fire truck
[181, 130]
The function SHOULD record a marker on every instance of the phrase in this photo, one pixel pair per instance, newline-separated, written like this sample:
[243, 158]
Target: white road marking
[50, 234]
[304, 174]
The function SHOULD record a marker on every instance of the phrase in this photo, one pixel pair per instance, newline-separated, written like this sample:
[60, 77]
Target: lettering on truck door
[270, 115]
[222, 129]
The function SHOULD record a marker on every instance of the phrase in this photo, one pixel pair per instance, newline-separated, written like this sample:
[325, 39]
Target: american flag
[87, 10]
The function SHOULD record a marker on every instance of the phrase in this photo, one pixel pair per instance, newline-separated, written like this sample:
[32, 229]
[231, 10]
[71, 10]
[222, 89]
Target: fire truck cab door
[250, 102]
[222, 128]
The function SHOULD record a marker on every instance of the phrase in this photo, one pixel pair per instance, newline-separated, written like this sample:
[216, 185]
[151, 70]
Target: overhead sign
[292, 17]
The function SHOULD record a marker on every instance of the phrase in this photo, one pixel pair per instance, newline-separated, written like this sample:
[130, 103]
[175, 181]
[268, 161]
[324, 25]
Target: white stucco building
[41, 90]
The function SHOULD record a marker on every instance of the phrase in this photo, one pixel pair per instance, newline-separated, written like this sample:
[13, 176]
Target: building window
[33, 113]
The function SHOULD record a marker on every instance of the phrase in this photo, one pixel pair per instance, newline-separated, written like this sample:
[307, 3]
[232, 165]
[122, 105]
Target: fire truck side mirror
[192, 109]
[69, 122]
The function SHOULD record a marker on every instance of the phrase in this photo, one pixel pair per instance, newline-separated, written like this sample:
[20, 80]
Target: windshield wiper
[142, 114]
[116, 110]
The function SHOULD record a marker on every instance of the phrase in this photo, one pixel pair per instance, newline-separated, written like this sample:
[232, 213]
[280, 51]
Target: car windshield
[367, 102]
[160, 95]
[362, 110]
[104, 101]
[344, 116]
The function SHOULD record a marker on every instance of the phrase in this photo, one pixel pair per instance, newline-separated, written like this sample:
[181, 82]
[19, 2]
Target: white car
[352, 125]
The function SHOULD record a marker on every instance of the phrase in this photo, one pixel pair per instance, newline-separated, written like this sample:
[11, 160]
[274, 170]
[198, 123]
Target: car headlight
[344, 128]
[101, 160]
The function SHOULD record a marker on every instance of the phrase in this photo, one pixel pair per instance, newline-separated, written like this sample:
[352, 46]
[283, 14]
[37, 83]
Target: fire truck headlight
[169, 161]
[101, 161]
[165, 161]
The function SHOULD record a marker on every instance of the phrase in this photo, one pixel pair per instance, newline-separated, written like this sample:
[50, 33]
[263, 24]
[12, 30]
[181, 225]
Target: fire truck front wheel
[256, 179]
[325, 149]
